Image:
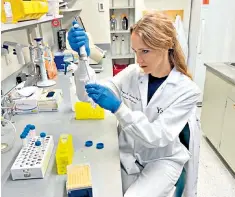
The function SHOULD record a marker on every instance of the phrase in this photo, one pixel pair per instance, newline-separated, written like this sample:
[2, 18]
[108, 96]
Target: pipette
[83, 58]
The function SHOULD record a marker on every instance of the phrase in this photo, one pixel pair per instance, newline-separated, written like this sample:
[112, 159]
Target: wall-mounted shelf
[21, 25]
[63, 4]
[125, 7]
[120, 32]
[70, 10]
[127, 56]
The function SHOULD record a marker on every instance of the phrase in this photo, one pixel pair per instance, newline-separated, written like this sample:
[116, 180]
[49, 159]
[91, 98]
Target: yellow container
[84, 111]
[26, 10]
[64, 153]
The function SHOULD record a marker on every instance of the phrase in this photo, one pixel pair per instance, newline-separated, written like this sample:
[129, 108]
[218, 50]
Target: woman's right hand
[77, 37]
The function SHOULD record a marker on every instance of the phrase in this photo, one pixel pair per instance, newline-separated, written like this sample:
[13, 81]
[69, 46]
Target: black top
[154, 84]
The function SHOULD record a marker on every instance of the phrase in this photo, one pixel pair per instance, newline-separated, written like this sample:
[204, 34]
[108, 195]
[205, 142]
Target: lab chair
[184, 139]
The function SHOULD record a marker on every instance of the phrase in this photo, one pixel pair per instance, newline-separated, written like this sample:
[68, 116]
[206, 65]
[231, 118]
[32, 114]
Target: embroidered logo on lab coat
[130, 97]
[159, 110]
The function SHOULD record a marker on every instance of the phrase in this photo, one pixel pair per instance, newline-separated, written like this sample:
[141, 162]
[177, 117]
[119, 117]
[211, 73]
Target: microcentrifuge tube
[43, 136]
[33, 131]
[26, 132]
[24, 139]
[38, 147]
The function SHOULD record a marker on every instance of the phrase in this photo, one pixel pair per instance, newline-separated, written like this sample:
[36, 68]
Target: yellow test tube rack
[85, 111]
[64, 153]
[23, 10]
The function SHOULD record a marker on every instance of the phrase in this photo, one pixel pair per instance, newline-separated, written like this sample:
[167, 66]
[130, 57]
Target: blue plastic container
[59, 61]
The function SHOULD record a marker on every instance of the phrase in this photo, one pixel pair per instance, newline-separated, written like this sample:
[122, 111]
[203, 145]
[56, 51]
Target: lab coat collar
[172, 78]
[143, 85]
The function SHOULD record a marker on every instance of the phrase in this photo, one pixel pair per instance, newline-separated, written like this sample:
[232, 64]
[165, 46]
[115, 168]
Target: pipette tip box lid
[79, 182]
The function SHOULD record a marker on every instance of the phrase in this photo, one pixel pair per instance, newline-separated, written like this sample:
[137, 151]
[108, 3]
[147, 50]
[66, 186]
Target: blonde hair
[158, 32]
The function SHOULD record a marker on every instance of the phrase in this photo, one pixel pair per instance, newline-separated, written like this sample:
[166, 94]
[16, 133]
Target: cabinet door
[213, 107]
[227, 146]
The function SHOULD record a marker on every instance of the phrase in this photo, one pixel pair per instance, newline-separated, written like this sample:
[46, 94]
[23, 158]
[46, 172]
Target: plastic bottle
[123, 49]
[73, 94]
[124, 22]
[113, 23]
[117, 45]
[113, 45]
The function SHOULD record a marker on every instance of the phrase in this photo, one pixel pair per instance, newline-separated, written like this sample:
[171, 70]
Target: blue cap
[22, 136]
[88, 143]
[99, 145]
[28, 125]
[26, 129]
[32, 127]
[37, 143]
[37, 39]
[43, 134]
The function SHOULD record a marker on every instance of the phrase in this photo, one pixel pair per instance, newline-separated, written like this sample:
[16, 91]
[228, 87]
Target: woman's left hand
[103, 96]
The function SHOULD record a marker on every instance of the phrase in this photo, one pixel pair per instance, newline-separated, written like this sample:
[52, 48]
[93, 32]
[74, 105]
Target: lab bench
[218, 109]
[105, 163]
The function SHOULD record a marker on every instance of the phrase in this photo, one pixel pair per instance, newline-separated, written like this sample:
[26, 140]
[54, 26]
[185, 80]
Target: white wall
[193, 35]
[96, 23]
[171, 5]
[140, 7]
[220, 32]
[13, 66]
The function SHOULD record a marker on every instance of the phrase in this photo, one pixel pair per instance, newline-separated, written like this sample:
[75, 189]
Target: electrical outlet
[101, 6]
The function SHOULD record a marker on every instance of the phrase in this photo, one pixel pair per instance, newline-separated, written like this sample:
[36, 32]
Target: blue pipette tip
[37, 143]
[88, 143]
[43, 134]
[99, 145]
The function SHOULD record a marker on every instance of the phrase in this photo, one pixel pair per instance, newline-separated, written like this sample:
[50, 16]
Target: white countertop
[105, 163]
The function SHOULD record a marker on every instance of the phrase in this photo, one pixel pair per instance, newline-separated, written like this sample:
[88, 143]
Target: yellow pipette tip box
[85, 111]
[79, 180]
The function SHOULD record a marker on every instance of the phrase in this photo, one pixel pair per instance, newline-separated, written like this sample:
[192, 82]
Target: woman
[152, 100]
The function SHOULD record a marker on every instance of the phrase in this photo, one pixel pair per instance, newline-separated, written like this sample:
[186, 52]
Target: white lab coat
[149, 132]
[181, 36]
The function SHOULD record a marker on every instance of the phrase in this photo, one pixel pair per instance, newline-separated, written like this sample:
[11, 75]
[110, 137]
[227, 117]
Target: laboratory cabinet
[218, 115]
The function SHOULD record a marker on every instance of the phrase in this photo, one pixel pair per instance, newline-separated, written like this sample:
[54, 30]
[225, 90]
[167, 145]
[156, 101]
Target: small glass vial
[27, 133]
[38, 148]
[24, 139]
[33, 131]
[43, 137]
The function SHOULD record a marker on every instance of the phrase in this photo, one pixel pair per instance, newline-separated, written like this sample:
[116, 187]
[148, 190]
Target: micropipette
[83, 57]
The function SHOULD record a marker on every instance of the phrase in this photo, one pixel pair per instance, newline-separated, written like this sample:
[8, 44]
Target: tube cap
[43, 134]
[37, 143]
[88, 143]
[32, 127]
[100, 146]
[22, 136]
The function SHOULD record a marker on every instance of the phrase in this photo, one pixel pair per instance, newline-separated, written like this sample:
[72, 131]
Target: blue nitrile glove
[103, 96]
[77, 37]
